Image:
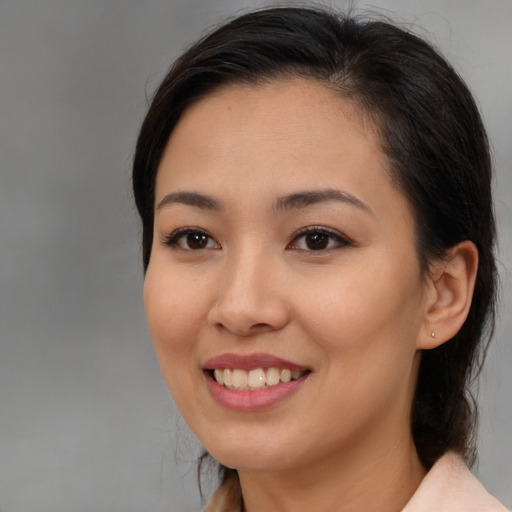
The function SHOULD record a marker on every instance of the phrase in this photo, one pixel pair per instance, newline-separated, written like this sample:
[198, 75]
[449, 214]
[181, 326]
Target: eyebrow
[312, 197]
[201, 201]
[288, 202]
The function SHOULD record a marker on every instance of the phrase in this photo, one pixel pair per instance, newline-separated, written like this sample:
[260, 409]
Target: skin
[356, 313]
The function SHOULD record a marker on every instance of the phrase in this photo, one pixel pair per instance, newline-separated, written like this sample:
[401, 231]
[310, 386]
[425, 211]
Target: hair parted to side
[431, 132]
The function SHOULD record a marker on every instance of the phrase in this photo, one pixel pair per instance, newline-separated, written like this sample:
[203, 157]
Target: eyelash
[173, 239]
[340, 240]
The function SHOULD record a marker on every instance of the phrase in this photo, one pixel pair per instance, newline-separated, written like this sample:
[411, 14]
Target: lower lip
[251, 401]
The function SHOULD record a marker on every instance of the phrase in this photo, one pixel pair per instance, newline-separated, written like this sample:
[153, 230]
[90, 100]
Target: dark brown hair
[431, 132]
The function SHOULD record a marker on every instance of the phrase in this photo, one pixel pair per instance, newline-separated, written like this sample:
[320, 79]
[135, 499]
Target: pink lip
[252, 401]
[247, 400]
[249, 362]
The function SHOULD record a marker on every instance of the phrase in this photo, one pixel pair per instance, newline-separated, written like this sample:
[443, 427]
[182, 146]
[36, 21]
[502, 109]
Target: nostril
[245, 316]
[243, 330]
[260, 326]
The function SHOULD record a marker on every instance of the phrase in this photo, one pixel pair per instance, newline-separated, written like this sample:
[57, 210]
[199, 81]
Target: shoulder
[450, 487]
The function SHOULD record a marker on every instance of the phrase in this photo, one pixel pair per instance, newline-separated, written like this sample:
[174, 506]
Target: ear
[451, 282]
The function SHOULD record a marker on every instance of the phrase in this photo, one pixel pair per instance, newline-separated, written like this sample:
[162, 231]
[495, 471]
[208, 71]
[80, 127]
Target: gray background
[86, 423]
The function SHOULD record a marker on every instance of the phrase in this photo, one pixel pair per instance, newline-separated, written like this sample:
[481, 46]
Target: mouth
[252, 382]
[255, 379]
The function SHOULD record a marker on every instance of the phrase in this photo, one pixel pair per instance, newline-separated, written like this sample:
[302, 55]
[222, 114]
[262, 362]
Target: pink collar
[448, 487]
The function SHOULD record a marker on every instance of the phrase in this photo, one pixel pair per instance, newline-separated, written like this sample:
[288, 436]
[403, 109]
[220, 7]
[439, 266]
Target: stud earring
[433, 334]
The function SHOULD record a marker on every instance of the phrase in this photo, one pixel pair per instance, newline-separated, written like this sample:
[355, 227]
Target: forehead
[283, 107]
[265, 128]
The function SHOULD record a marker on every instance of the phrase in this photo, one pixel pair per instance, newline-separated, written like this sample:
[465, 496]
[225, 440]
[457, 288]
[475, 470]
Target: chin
[250, 454]
[252, 461]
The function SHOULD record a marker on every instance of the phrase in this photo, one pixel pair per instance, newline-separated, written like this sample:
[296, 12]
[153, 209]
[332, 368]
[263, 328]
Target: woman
[318, 242]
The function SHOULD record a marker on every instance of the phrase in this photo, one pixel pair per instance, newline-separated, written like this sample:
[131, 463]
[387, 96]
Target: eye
[190, 239]
[316, 238]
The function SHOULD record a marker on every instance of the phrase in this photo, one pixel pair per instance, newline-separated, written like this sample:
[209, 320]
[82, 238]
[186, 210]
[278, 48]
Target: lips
[250, 361]
[252, 382]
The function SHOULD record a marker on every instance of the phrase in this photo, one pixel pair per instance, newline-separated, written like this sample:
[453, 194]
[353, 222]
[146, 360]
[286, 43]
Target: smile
[252, 382]
[255, 379]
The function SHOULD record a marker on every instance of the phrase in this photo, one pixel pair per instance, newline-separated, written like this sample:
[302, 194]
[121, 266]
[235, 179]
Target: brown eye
[316, 241]
[197, 240]
[190, 239]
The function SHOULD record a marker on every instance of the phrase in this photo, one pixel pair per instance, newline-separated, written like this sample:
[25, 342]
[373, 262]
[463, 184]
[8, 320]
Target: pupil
[316, 241]
[196, 240]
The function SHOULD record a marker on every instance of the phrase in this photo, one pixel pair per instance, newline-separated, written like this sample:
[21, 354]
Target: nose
[251, 298]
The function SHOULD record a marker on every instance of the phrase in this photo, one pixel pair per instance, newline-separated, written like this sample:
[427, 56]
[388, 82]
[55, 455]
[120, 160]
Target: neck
[377, 478]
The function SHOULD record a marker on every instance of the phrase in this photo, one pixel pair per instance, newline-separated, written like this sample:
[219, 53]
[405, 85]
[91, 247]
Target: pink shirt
[448, 487]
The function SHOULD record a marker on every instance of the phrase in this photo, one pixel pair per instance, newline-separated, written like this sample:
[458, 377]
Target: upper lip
[250, 362]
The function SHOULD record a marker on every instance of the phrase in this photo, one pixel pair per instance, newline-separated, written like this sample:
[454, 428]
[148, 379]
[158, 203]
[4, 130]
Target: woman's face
[284, 265]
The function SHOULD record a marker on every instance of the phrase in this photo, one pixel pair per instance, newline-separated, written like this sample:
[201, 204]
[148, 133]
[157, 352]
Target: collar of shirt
[448, 487]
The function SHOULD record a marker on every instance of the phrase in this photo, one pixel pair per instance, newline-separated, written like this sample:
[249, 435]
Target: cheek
[368, 318]
[174, 317]
[367, 337]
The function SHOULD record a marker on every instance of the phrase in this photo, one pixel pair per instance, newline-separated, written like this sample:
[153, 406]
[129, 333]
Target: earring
[433, 334]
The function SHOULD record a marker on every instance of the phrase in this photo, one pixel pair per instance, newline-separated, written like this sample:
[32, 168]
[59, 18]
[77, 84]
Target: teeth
[219, 376]
[272, 376]
[228, 378]
[239, 380]
[286, 375]
[255, 379]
